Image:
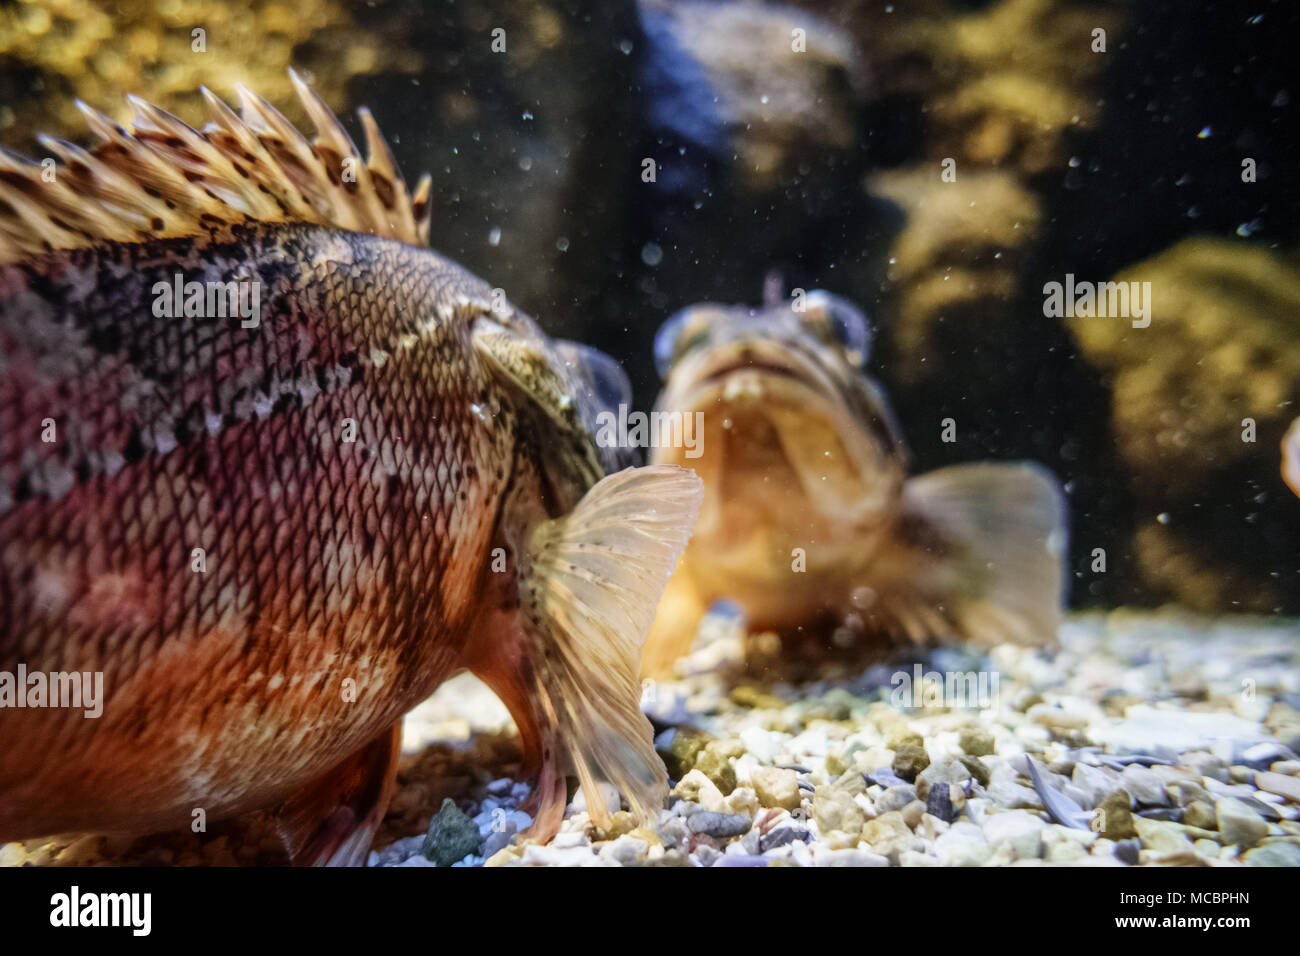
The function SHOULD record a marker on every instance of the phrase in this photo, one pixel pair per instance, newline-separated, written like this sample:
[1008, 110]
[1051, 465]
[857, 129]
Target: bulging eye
[846, 322]
[683, 330]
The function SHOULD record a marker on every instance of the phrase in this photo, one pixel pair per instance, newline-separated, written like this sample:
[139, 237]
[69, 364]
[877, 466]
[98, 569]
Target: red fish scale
[326, 560]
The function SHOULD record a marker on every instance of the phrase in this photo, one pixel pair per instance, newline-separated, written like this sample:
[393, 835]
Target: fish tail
[571, 679]
[977, 557]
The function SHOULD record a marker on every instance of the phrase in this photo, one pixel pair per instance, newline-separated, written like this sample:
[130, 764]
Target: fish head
[558, 389]
[785, 415]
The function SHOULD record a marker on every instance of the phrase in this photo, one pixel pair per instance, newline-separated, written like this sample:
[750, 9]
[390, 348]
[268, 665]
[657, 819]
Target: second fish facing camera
[810, 521]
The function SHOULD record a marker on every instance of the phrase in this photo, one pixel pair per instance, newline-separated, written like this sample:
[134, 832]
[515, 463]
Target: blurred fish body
[810, 522]
[274, 525]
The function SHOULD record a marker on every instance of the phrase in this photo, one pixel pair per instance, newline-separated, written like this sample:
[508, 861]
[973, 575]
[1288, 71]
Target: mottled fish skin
[810, 522]
[325, 559]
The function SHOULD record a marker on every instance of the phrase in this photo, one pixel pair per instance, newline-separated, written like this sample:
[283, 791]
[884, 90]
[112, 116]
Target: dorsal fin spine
[163, 178]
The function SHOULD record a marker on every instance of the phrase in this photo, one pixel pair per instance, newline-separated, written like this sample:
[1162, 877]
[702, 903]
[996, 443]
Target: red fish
[273, 470]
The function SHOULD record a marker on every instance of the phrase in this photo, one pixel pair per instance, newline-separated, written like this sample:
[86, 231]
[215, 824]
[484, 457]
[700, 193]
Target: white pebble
[1019, 830]
[625, 850]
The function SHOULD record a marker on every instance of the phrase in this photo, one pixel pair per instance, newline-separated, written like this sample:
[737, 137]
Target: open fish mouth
[807, 408]
[772, 371]
[753, 365]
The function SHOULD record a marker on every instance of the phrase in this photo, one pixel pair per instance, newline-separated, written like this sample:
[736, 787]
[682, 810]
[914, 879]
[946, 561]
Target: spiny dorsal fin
[162, 178]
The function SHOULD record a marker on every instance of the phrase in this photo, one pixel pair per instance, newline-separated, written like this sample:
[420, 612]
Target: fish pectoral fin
[332, 820]
[978, 556]
[594, 581]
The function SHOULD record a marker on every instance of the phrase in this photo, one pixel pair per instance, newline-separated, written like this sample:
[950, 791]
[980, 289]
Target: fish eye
[846, 323]
[683, 331]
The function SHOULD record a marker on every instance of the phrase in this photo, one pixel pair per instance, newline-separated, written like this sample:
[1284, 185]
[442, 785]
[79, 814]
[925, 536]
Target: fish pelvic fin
[332, 820]
[161, 178]
[595, 579]
[977, 557]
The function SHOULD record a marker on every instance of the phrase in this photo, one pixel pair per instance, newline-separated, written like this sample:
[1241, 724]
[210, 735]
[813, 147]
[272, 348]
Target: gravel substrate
[1156, 739]
[1146, 739]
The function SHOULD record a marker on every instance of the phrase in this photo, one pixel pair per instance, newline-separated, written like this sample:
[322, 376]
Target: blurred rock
[1218, 526]
[100, 50]
[1004, 85]
[762, 89]
[955, 267]
[1239, 824]
[1274, 854]
[1018, 101]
